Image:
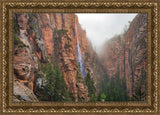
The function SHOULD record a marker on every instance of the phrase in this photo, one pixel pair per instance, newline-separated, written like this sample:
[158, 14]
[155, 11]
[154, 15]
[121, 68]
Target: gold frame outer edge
[9, 107]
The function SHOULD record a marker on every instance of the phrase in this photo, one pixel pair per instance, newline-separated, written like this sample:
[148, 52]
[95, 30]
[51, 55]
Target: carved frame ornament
[151, 106]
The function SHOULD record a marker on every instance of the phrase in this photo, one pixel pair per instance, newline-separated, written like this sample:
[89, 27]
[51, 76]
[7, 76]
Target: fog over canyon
[102, 26]
[79, 57]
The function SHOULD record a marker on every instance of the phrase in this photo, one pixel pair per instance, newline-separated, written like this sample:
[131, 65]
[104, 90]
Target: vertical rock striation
[127, 53]
[50, 35]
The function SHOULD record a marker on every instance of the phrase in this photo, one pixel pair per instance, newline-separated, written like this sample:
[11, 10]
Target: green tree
[54, 88]
[113, 88]
[139, 93]
[68, 96]
[108, 91]
[60, 86]
[90, 84]
[92, 98]
[79, 76]
[103, 96]
[99, 97]
[46, 92]
[15, 24]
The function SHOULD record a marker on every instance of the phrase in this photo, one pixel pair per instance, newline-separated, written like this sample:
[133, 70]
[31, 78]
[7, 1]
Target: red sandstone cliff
[50, 35]
[126, 53]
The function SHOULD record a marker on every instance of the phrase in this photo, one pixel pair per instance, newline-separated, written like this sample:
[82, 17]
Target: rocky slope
[127, 55]
[22, 93]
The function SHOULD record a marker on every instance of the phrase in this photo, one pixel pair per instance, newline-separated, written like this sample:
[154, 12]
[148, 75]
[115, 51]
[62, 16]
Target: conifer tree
[139, 94]
[54, 88]
[60, 86]
[90, 84]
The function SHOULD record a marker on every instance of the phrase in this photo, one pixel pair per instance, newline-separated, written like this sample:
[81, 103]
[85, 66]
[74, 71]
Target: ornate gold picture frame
[8, 7]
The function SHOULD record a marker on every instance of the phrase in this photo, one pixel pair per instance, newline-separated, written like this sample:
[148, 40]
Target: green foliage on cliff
[32, 21]
[18, 42]
[54, 87]
[31, 17]
[79, 76]
[15, 26]
[60, 31]
[67, 46]
[32, 27]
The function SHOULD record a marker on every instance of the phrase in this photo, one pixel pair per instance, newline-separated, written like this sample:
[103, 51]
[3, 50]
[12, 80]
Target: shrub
[18, 42]
[32, 27]
[67, 45]
[60, 31]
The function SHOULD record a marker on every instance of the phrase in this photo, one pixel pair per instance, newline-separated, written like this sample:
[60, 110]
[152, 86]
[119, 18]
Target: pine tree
[47, 91]
[99, 97]
[92, 98]
[90, 84]
[60, 86]
[114, 88]
[108, 91]
[103, 96]
[54, 88]
[139, 94]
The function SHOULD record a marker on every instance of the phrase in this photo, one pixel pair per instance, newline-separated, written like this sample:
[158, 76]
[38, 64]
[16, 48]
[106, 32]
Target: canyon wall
[127, 54]
[44, 38]
[49, 37]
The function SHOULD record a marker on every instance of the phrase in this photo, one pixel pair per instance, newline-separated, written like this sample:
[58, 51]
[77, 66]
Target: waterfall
[79, 61]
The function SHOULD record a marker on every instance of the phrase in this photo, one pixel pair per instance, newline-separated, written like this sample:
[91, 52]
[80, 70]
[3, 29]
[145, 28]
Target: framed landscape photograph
[74, 57]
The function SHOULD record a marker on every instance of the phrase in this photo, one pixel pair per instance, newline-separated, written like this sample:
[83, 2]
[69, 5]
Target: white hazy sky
[102, 26]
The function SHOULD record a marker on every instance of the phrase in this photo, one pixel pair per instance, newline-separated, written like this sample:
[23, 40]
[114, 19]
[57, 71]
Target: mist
[103, 26]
